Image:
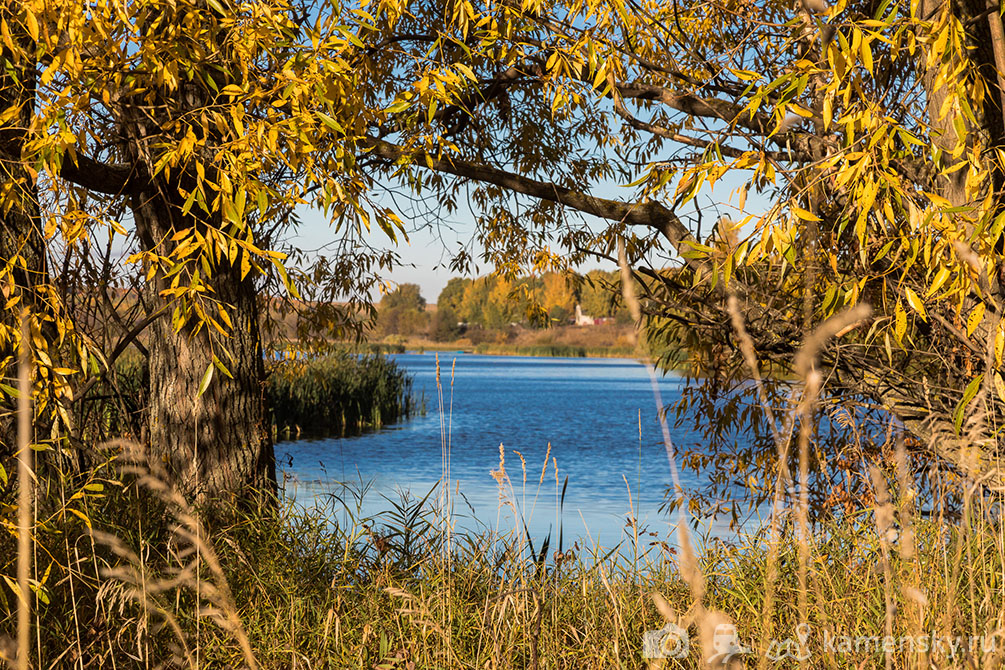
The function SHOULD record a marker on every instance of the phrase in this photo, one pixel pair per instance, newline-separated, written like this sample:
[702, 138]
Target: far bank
[596, 341]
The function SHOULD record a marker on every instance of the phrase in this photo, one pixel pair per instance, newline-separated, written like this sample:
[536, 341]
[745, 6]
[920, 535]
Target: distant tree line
[493, 301]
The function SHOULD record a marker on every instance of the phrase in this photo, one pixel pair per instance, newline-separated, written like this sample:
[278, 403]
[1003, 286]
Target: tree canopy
[549, 299]
[402, 311]
[874, 129]
[187, 134]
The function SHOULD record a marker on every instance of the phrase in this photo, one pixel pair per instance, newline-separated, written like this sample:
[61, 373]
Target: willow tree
[210, 122]
[873, 129]
[21, 254]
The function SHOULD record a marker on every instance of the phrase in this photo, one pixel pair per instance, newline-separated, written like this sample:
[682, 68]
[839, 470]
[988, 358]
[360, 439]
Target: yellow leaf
[468, 72]
[5, 35]
[900, 323]
[999, 386]
[888, 211]
[745, 75]
[940, 278]
[32, 24]
[804, 215]
[866, 55]
[975, 318]
[915, 302]
[213, 322]
[999, 343]
[80, 514]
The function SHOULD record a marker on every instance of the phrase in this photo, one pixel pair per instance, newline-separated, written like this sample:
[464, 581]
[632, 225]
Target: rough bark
[974, 452]
[217, 444]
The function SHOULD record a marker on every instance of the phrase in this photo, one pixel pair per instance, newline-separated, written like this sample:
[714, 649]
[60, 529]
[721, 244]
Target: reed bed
[336, 391]
[317, 392]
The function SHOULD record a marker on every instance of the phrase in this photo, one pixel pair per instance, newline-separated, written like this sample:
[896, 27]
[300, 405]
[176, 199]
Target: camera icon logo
[671, 641]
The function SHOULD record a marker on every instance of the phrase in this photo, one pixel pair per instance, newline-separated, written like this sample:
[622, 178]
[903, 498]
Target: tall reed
[336, 392]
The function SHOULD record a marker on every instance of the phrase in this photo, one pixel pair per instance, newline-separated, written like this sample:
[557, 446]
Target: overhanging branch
[102, 177]
[650, 214]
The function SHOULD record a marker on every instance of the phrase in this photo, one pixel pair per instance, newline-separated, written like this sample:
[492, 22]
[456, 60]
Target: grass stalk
[26, 495]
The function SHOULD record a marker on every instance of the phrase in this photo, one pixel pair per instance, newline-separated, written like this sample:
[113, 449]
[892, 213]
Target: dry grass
[301, 589]
[153, 585]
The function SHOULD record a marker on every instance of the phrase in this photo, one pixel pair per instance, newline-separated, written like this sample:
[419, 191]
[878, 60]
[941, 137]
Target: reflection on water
[598, 415]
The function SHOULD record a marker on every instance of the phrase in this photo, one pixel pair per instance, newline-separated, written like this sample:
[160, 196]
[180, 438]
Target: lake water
[589, 410]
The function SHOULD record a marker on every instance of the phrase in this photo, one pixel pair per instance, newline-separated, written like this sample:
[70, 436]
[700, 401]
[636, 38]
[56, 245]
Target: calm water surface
[588, 410]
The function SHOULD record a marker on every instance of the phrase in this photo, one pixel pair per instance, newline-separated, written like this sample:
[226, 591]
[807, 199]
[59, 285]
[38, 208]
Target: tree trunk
[22, 248]
[218, 444]
[214, 442]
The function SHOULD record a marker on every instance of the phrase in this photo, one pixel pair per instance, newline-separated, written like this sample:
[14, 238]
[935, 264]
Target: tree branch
[650, 214]
[102, 177]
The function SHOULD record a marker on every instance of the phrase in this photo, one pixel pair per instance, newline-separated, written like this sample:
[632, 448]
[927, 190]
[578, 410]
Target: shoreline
[528, 351]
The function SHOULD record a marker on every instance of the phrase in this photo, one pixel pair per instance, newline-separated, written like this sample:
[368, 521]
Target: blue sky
[424, 257]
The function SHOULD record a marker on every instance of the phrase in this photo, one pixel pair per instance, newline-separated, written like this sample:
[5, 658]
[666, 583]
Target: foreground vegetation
[149, 195]
[131, 575]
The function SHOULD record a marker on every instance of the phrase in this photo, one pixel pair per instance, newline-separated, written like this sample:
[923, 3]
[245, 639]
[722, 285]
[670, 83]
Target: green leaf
[330, 122]
[398, 106]
[223, 368]
[968, 395]
[189, 201]
[996, 228]
[207, 377]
